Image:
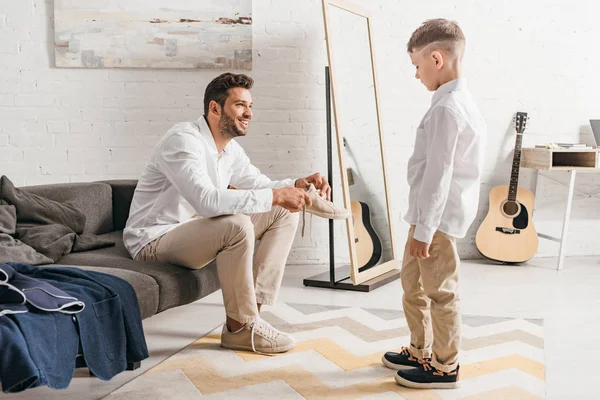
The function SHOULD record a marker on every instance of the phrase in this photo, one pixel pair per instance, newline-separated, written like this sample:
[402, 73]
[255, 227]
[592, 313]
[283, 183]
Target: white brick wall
[60, 125]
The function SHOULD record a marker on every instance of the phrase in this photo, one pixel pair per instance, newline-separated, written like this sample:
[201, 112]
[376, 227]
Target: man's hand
[292, 199]
[419, 249]
[318, 180]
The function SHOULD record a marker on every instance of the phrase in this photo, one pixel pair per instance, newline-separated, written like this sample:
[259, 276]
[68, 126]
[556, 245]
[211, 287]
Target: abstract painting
[207, 34]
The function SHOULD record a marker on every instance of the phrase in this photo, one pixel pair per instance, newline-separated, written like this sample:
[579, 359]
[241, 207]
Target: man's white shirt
[185, 176]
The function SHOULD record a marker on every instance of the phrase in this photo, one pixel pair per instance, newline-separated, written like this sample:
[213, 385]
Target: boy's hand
[419, 249]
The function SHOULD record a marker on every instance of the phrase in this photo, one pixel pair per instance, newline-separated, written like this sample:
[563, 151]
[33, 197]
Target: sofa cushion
[35, 209]
[8, 219]
[94, 200]
[146, 288]
[177, 285]
[122, 195]
[14, 250]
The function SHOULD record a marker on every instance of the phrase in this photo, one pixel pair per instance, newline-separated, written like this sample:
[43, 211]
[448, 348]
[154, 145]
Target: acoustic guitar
[366, 242]
[507, 233]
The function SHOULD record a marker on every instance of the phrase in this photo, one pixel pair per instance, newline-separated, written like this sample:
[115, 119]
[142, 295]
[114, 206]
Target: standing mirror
[359, 140]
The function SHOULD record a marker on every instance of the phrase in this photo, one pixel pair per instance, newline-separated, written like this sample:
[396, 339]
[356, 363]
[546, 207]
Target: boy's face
[428, 67]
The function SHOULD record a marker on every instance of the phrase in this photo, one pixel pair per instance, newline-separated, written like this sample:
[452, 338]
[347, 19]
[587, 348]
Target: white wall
[59, 125]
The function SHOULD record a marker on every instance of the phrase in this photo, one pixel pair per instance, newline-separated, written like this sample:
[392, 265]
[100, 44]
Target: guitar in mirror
[359, 139]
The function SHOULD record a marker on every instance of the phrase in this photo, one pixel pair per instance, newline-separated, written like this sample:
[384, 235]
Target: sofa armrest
[122, 195]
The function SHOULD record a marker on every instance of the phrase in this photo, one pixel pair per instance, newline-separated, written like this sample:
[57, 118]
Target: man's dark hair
[218, 89]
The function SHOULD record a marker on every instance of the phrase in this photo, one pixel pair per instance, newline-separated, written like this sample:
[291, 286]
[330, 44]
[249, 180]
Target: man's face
[427, 70]
[237, 113]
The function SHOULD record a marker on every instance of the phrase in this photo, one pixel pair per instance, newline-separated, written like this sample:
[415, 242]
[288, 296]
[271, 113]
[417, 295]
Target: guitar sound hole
[510, 208]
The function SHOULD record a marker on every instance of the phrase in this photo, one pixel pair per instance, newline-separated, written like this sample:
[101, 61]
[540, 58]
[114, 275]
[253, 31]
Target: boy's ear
[438, 59]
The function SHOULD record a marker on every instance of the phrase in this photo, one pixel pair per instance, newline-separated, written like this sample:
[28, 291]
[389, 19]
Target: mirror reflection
[358, 124]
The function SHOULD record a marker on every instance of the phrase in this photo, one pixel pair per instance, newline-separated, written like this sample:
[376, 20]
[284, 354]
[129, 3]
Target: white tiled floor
[567, 300]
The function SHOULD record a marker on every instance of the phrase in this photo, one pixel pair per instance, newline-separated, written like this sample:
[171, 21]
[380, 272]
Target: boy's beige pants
[431, 302]
[247, 276]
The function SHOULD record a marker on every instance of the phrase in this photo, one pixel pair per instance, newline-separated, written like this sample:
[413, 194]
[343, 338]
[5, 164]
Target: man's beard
[228, 127]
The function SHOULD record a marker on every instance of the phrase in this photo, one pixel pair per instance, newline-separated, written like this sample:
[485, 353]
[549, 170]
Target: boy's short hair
[218, 88]
[440, 34]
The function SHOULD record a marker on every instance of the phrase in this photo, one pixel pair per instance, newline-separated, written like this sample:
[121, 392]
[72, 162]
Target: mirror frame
[356, 276]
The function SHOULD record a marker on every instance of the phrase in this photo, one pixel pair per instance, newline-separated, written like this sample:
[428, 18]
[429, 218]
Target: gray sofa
[106, 205]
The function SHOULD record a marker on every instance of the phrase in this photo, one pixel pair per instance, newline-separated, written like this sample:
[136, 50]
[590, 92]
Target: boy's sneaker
[399, 361]
[427, 377]
[321, 208]
[259, 337]
[324, 208]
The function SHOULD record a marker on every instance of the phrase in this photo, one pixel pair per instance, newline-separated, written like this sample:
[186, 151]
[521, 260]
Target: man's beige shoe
[259, 337]
[324, 208]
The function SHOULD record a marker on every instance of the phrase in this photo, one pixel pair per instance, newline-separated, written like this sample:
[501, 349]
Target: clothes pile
[51, 315]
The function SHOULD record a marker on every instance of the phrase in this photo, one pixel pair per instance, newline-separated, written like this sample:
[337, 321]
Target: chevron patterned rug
[338, 355]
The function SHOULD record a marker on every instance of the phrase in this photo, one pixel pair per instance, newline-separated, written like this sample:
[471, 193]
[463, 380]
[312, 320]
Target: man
[193, 165]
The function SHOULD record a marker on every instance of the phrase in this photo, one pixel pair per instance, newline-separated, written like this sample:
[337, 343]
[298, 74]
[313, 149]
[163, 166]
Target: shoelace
[405, 351]
[426, 363]
[264, 329]
[311, 216]
[304, 221]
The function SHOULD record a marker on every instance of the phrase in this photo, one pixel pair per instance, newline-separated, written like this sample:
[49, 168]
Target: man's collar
[207, 135]
[447, 88]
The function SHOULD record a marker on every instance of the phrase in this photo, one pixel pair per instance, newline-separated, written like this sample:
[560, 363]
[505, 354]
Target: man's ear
[214, 108]
[438, 58]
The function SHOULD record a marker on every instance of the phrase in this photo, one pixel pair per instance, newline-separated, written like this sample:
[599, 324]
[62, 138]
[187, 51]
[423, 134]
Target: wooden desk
[572, 160]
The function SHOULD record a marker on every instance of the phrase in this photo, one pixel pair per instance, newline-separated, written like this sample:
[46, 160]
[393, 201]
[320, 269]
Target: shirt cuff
[264, 200]
[424, 233]
[288, 182]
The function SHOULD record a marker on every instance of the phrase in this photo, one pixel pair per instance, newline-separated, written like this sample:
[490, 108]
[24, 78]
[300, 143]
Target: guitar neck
[514, 175]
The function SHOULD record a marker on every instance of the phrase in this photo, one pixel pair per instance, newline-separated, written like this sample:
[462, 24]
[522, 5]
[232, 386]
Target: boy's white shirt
[445, 169]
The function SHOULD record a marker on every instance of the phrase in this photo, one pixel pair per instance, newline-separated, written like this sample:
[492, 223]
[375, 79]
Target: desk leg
[565, 228]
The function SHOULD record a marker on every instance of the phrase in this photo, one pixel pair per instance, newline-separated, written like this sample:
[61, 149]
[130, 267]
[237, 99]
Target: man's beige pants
[431, 299]
[247, 276]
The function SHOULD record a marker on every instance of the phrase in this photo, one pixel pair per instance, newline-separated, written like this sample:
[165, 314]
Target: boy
[444, 179]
